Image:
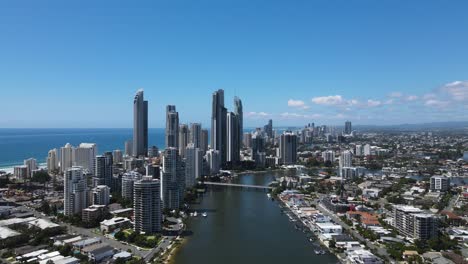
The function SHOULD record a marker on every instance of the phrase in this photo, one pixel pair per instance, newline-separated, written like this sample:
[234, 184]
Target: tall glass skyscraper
[218, 124]
[140, 125]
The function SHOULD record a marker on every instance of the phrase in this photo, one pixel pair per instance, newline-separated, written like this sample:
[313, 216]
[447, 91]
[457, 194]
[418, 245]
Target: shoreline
[283, 205]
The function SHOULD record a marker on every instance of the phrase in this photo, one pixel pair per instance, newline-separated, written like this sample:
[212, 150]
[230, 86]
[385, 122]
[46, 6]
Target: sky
[78, 64]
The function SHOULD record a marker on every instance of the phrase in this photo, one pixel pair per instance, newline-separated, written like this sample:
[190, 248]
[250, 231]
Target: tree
[41, 177]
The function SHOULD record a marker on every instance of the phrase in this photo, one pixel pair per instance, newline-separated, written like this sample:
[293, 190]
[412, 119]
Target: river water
[244, 226]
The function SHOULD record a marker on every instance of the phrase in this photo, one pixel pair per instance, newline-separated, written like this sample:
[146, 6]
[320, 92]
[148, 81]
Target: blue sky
[79, 63]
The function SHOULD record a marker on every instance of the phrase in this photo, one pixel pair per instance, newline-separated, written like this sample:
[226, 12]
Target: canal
[244, 226]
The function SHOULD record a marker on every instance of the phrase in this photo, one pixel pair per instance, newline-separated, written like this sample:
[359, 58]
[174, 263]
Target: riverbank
[256, 172]
[297, 218]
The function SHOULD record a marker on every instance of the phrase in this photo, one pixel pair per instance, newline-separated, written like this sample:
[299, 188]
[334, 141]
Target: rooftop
[6, 232]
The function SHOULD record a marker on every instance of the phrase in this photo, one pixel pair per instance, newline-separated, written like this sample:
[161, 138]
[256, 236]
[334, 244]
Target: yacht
[204, 214]
[195, 214]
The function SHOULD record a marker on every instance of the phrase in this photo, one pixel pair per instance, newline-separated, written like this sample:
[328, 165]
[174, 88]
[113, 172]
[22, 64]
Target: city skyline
[294, 64]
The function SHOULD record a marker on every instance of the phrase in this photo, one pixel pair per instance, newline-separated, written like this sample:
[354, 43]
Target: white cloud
[334, 100]
[297, 103]
[257, 114]
[412, 98]
[457, 90]
[373, 103]
[288, 115]
[436, 103]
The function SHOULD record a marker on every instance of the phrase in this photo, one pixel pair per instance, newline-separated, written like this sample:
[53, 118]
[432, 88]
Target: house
[98, 252]
[362, 257]
[329, 228]
[110, 225]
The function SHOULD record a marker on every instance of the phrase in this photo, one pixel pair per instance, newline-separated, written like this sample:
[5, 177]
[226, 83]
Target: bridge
[239, 185]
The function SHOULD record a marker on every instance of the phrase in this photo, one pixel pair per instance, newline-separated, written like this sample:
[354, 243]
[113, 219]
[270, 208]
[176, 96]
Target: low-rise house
[99, 252]
[362, 257]
[436, 257]
[86, 243]
[110, 225]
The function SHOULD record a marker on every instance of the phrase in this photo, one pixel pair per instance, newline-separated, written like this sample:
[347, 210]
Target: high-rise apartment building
[140, 125]
[147, 206]
[193, 165]
[172, 179]
[204, 140]
[218, 124]
[440, 184]
[75, 191]
[184, 138]
[52, 161]
[414, 223]
[172, 127]
[233, 143]
[288, 148]
[128, 181]
[101, 195]
[66, 157]
[103, 169]
[196, 134]
[84, 156]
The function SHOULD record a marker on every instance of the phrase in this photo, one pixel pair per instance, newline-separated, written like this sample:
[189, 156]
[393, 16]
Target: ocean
[16, 145]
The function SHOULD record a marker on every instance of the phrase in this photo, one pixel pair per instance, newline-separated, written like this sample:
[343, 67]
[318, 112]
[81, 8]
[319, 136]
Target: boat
[204, 214]
[195, 214]
[269, 195]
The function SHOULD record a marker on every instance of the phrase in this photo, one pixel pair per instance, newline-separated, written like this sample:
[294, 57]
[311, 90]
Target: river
[244, 226]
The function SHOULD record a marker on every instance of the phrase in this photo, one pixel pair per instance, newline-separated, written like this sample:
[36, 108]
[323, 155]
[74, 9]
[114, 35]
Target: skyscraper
[288, 148]
[348, 128]
[204, 140]
[31, 164]
[52, 161]
[103, 169]
[258, 145]
[172, 179]
[140, 125]
[172, 127]
[238, 110]
[147, 206]
[233, 143]
[193, 165]
[269, 128]
[129, 148]
[184, 137]
[75, 191]
[247, 140]
[218, 124]
[117, 156]
[214, 161]
[128, 181]
[66, 157]
[346, 159]
[101, 195]
[84, 156]
[195, 134]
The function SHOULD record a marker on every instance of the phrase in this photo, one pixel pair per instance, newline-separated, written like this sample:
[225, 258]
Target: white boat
[195, 214]
[269, 195]
[204, 214]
